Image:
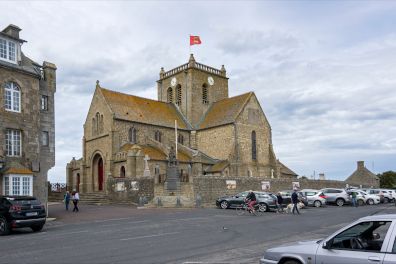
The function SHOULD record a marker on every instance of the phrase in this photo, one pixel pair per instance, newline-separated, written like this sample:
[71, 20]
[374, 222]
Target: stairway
[94, 198]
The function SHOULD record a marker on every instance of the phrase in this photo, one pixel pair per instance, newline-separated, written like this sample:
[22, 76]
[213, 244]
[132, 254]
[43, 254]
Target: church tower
[193, 87]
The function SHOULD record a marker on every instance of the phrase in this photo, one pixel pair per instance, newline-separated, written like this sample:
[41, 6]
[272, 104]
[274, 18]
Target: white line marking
[148, 236]
[114, 219]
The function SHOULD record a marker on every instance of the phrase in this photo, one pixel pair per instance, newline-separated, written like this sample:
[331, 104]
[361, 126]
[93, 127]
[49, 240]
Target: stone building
[27, 130]
[129, 137]
[363, 176]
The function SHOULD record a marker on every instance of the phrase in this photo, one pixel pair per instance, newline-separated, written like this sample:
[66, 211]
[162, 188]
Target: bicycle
[244, 209]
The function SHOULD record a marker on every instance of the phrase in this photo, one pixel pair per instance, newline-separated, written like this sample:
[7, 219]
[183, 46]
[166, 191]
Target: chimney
[12, 31]
[360, 165]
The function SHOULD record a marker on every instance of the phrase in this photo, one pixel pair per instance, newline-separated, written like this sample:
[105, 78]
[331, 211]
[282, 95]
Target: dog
[289, 207]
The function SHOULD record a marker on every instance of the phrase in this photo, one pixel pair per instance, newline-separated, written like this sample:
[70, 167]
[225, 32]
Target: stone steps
[94, 198]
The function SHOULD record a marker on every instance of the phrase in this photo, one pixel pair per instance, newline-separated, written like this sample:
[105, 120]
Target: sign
[265, 185]
[231, 185]
[120, 187]
[296, 185]
[134, 186]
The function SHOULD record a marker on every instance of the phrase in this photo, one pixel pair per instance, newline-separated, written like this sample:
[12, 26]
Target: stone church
[127, 139]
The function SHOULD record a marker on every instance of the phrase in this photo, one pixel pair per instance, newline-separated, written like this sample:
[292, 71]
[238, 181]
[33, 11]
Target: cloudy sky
[324, 71]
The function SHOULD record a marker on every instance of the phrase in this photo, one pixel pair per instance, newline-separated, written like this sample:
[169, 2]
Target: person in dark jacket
[294, 198]
[279, 202]
[251, 200]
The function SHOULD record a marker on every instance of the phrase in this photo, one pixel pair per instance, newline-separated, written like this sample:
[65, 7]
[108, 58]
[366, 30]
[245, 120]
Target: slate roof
[224, 111]
[284, 170]
[219, 166]
[138, 109]
[26, 65]
[362, 175]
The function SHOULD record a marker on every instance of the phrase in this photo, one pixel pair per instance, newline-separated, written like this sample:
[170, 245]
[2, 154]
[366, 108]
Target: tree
[387, 179]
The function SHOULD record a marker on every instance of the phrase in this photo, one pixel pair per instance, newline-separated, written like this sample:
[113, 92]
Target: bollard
[178, 204]
[141, 201]
[159, 203]
[144, 200]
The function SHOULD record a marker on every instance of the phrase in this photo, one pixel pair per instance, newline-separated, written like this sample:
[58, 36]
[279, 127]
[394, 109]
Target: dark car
[265, 200]
[21, 211]
[286, 195]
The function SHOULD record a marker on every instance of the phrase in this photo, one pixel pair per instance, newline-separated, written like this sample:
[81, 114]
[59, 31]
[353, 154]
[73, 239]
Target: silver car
[314, 197]
[370, 239]
[337, 196]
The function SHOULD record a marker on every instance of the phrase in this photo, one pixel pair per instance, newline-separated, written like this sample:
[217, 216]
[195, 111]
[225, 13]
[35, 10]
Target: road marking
[114, 219]
[148, 236]
[134, 222]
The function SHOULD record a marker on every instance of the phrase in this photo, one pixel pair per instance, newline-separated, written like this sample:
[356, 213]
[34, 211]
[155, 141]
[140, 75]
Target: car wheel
[370, 201]
[317, 203]
[224, 205]
[263, 207]
[37, 228]
[4, 227]
[386, 200]
[360, 202]
[340, 202]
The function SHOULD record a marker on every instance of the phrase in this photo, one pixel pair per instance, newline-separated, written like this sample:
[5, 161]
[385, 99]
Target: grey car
[370, 239]
[314, 197]
[336, 196]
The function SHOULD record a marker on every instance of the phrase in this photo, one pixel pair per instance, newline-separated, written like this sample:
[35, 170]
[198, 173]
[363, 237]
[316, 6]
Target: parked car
[360, 197]
[393, 194]
[286, 195]
[384, 196]
[21, 211]
[370, 239]
[314, 197]
[336, 196]
[265, 200]
[369, 199]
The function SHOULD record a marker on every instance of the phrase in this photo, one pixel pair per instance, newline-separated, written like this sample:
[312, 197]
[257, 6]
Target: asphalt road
[111, 234]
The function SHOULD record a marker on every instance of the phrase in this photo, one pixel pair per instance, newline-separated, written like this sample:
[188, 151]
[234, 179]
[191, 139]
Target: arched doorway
[98, 173]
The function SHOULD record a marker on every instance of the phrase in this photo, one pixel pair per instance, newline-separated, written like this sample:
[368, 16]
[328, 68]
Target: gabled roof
[286, 171]
[224, 111]
[362, 175]
[142, 110]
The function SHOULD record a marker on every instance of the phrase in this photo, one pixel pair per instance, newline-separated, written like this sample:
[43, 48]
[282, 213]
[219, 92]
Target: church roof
[224, 111]
[219, 166]
[156, 153]
[284, 170]
[142, 110]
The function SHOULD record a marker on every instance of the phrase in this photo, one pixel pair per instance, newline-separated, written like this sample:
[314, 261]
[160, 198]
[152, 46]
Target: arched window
[157, 136]
[12, 97]
[132, 135]
[122, 172]
[205, 99]
[178, 95]
[101, 124]
[97, 126]
[180, 139]
[254, 147]
[157, 170]
[169, 95]
[93, 126]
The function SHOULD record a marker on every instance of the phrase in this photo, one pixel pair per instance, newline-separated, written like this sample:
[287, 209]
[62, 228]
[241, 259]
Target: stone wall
[218, 142]
[210, 188]
[129, 190]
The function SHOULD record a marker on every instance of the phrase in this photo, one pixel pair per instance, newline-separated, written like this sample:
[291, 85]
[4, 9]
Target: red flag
[195, 40]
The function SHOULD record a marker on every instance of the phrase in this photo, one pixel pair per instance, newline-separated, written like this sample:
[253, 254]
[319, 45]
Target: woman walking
[75, 198]
[66, 200]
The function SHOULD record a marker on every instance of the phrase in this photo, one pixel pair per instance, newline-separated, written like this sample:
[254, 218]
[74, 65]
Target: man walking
[353, 196]
[294, 198]
[75, 198]
[279, 202]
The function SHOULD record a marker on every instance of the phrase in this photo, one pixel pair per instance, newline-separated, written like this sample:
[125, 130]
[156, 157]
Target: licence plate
[31, 214]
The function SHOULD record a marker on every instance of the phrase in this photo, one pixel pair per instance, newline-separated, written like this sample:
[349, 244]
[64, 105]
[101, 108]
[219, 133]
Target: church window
[132, 135]
[101, 124]
[158, 136]
[205, 99]
[170, 95]
[178, 95]
[93, 126]
[180, 139]
[122, 172]
[12, 97]
[254, 147]
[157, 170]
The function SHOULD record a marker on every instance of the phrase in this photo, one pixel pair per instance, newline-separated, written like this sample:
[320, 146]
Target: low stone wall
[129, 190]
[210, 188]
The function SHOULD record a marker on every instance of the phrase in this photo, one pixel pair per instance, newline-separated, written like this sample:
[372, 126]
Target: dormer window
[8, 50]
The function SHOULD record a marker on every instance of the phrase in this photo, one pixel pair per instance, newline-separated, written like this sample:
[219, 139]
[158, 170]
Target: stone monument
[172, 182]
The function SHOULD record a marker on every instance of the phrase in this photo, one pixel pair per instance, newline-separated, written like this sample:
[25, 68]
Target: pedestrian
[353, 196]
[75, 198]
[294, 198]
[66, 200]
[279, 202]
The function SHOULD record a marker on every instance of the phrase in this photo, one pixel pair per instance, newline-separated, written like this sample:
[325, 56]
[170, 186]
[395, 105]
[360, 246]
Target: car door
[390, 256]
[344, 247]
[238, 199]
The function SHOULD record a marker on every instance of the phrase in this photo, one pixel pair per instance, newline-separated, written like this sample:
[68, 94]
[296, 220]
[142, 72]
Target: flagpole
[176, 137]
[189, 45]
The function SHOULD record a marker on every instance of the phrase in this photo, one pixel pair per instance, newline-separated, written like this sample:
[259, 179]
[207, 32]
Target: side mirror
[236, 196]
[376, 236]
[327, 244]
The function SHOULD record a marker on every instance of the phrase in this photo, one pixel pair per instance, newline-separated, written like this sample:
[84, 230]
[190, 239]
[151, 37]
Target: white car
[370, 239]
[314, 197]
[368, 198]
